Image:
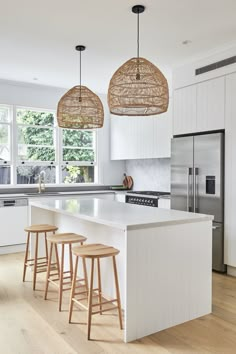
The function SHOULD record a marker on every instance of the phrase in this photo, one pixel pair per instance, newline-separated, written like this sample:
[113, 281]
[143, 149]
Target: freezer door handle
[195, 190]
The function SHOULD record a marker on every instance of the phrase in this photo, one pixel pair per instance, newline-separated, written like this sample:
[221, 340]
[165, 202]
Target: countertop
[54, 194]
[118, 215]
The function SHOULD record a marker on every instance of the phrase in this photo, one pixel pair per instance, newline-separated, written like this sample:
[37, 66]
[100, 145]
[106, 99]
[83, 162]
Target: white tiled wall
[150, 174]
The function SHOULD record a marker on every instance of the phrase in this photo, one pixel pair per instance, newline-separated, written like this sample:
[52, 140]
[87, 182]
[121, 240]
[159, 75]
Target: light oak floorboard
[30, 325]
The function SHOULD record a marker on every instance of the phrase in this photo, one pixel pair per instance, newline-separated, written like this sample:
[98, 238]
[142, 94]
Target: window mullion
[14, 146]
[58, 154]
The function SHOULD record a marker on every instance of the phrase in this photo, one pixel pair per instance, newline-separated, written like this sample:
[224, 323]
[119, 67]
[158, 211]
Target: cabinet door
[13, 222]
[211, 105]
[164, 203]
[162, 128]
[230, 171]
[184, 114]
[131, 138]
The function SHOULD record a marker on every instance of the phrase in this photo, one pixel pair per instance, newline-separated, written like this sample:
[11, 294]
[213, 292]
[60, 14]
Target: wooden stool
[61, 275]
[95, 251]
[38, 266]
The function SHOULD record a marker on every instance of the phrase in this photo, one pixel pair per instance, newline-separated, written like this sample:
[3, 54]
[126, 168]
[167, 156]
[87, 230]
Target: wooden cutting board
[128, 181]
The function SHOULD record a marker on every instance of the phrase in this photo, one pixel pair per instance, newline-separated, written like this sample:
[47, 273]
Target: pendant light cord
[80, 98]
[138, 72]
[138, 36]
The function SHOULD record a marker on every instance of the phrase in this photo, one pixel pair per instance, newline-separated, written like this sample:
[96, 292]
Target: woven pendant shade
[80, 108]
[138, 88]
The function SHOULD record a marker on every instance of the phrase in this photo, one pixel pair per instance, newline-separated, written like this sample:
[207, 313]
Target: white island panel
[164, 265]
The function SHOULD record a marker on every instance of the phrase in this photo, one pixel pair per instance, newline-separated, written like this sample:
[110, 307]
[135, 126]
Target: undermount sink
[42, 194]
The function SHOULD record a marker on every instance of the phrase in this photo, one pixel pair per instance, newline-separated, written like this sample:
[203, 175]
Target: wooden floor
[30, 325]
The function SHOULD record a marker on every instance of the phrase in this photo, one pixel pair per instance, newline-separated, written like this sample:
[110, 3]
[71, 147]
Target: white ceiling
[37, 38]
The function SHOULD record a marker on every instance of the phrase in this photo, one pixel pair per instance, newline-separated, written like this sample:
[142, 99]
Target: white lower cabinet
[164, 203]
[120, 197]
[230, 171]
[141, 137]
[13, 221]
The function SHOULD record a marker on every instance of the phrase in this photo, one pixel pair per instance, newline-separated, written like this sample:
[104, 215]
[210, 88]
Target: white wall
[45, 97]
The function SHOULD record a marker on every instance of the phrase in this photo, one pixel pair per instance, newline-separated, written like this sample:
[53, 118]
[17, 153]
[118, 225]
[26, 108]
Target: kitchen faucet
[41, 185]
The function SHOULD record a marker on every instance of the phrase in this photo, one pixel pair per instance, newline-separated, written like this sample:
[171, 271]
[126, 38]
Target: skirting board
[12, 249]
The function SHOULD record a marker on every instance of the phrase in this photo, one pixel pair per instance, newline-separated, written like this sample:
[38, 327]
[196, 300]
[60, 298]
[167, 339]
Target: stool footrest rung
[39, 265]
[104, 302]
[41, 271]
[54, 281]
[80, 293]
[105, 310]
[33, 259]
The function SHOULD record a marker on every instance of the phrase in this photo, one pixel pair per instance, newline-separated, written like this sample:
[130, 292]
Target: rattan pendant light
[80, 108]
[138, 87]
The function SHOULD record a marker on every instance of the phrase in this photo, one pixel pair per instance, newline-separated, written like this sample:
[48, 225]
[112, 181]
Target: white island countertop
[119, 215]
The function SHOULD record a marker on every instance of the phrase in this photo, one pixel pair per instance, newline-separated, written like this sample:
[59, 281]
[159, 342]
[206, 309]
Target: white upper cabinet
[199, 107]
[140, 137]
[211, 105]
[162, 129]
[185, 110]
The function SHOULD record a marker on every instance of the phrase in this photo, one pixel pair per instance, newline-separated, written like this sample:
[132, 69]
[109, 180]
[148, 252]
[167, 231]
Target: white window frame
[10, 125]
[77, 163]
[14, 161]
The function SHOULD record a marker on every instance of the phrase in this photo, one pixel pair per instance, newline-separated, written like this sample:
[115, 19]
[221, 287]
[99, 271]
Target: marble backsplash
[150, 174]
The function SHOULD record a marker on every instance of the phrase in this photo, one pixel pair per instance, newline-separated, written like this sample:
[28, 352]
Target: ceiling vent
[217, 65]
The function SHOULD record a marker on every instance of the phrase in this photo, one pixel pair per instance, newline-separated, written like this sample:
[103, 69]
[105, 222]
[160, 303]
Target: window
[5, 144]
[78, 156]
[36, 149]
[31, 142]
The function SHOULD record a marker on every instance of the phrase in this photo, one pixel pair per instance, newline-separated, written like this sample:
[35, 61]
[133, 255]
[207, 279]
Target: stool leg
[99, 285]
[48, 271]
[26, 255]
[117, 291]
[61, 276]
[46, 245]
[90, 298]
[57, 259]
[85, 271]
[71, 262]
[73, 288]
[35, 260]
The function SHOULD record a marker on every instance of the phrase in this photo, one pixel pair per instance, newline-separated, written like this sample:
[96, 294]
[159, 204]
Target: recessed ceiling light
[186, 42]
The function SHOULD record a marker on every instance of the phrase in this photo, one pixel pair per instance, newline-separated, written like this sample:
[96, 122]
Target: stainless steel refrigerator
[197, 183]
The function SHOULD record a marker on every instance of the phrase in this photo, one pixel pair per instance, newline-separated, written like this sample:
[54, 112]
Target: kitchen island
[165, 259]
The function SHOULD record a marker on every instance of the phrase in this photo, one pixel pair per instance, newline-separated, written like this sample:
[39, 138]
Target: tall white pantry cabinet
[208, 106]
[230, 172]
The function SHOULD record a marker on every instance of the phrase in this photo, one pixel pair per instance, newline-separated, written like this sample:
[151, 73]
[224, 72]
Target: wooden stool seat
[39, 264]
[41, 228]
[94, 252]
[66, 238]
[55, 270]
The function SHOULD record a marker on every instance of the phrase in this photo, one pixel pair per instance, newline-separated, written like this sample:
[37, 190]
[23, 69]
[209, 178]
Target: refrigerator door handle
[188, 183]
[189, 173]
[195, 190]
